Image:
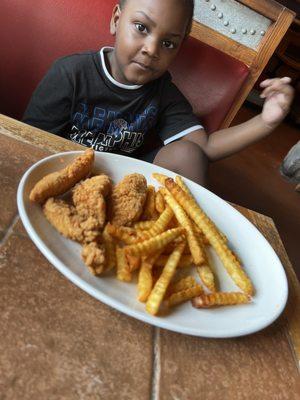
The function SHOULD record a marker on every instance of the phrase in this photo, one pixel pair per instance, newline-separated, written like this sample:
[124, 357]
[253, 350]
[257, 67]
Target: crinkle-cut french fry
[94, 257]
[220, 299]
[193, 209]
[149, 211]
[183, 186]
[160, 225]
[145, 281]
[182, 284]
[158, 292]
[199, 234]
[145, 278]
[183, 219]
[143, 225]
[123, 273]
[236, 256]
[130, 231]
[174, 222]
[184, 295]
[164, 190]
[110, 250]
[156, 213]
[186, 261]
[159, 202]
[154, 244]
[120, 233]
[233, 267]
[159, 177]
[140, 235]
[180, 182]
[205, 272]
[228, 259]
[223, 236]
[180, 239]
[134, 262]
[207, 277]
[170, 247]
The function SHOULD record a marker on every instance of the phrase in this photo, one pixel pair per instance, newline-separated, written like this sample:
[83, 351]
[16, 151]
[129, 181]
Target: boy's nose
[151, 48]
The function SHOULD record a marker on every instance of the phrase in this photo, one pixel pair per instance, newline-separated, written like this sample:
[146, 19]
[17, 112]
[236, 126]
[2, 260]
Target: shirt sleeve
[176, 114]
[50, 105]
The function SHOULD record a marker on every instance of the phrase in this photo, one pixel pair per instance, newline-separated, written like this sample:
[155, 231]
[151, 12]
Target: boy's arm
[225, 142]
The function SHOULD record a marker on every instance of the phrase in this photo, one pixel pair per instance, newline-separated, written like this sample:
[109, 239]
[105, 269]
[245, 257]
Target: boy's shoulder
[76, 60]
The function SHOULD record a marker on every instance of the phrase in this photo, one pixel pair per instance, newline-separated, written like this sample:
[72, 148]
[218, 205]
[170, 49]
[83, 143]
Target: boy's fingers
[277, 88]
[282, 102]
[272, 83]
[286, 79]
[280, 98]
[267, 92]
[268, 82]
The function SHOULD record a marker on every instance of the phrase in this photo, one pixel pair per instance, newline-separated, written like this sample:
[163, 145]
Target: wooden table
[57, 342]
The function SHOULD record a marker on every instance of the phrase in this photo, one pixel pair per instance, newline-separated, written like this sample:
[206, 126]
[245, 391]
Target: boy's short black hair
[189, 4]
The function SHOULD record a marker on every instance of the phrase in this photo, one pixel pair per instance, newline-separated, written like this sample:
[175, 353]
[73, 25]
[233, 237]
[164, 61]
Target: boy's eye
[140, 27]
[168, 44]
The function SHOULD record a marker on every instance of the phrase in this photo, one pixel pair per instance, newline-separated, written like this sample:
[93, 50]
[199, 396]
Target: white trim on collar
[108, 75]
[183, 133]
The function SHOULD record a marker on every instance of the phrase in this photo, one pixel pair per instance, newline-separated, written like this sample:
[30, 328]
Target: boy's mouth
[144, 67]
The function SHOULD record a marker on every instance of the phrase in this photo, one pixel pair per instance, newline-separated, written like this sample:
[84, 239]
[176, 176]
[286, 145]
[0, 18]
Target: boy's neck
[108, 60]
[106, 54]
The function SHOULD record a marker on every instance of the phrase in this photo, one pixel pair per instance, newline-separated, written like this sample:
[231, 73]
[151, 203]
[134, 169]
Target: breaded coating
[63, 180]
[65, 219]
[128, 199]
[88, 197]
[93, 255]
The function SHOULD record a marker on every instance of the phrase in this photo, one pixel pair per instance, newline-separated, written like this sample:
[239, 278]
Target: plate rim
[155, 321]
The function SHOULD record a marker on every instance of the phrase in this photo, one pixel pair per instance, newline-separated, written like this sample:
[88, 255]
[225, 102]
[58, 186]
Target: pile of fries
[173, 234]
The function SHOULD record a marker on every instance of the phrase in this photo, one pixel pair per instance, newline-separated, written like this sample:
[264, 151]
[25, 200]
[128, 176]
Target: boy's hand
[279, 95]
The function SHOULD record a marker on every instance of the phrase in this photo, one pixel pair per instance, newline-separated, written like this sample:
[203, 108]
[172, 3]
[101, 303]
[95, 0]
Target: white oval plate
[259, 259]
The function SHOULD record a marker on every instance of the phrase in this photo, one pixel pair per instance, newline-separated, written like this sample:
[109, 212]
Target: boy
[117, 99]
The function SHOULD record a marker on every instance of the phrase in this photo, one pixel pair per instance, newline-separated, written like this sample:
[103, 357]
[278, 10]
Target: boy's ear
[115, 19]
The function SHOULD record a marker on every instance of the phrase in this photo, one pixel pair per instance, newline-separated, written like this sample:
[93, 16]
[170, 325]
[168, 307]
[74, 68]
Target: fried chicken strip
[127, 200]
[65, 219]
[88, 197]
[93, 255]
[61, 181]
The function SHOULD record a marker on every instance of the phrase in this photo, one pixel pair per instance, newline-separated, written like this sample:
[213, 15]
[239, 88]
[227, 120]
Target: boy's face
[148, 36]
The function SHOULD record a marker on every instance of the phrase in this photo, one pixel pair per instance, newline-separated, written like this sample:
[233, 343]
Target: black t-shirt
[79, 100]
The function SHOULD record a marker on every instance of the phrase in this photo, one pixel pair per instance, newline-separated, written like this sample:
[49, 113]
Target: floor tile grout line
[9, 230]
[156, 365]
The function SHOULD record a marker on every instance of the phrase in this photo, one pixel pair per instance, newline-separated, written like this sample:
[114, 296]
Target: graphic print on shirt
[108, 130]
